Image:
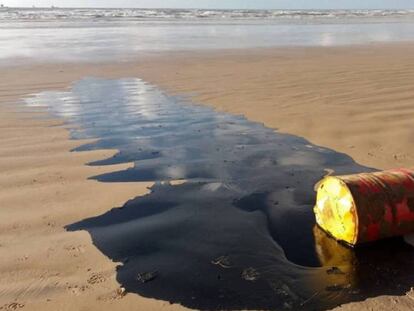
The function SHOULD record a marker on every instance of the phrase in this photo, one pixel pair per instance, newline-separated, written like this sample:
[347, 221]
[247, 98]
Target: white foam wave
[7, 14]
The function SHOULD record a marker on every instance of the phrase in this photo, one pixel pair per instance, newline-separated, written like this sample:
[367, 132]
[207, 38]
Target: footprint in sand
[96, 278]
[77, 290]
[12, 306]
[75, 250]
[23, 258]
[119, 293]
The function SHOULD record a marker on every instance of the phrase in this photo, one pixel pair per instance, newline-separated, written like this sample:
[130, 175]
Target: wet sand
[43, 188]
[356, 100]
[335, 82]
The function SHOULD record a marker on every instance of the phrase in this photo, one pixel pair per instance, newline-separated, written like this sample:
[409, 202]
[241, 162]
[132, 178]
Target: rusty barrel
[366, 207]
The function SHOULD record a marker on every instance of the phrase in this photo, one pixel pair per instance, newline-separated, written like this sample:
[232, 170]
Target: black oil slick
[238, 232]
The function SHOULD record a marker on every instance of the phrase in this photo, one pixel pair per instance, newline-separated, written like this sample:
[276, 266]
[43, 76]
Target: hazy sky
[242, 4]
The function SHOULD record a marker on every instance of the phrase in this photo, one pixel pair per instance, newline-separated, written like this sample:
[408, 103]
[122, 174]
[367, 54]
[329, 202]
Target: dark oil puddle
[239, 232]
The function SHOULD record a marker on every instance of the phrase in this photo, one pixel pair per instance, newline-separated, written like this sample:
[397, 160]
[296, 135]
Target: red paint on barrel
[403, 212]
[373, 232]
[388, 214]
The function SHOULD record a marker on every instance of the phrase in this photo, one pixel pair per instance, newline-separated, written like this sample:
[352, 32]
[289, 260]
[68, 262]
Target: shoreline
[36, 157]
[154, 56]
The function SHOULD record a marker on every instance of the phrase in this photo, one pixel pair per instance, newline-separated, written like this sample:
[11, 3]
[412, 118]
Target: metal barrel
[366, 207]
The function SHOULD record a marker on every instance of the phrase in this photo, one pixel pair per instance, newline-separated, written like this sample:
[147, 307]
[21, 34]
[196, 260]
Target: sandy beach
[355, 100]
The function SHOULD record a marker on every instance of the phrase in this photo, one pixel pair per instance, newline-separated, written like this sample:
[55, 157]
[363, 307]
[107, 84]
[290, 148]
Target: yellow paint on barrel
[335, 210]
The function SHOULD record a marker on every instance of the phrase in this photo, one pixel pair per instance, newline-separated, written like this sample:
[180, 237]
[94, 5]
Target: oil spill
[239, 232]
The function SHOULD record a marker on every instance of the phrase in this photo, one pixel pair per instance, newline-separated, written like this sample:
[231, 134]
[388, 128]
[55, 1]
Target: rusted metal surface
[383, 204]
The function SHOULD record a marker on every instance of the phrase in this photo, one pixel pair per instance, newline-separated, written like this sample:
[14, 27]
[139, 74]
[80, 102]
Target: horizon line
[201, 8]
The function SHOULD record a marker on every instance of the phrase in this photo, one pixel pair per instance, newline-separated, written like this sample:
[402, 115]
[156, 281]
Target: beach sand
[44, 187]
[357, 100]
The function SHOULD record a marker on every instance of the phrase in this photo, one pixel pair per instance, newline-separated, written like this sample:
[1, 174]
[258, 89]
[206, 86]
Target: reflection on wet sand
[89, 40]
[239, 232]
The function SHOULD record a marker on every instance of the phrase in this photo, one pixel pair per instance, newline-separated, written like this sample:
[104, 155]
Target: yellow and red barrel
[366, 207]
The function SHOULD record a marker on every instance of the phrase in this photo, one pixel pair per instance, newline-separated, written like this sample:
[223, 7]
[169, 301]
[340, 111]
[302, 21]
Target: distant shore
[357, 100]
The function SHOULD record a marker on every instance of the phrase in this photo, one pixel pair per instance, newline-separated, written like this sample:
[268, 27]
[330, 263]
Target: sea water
[33, 35]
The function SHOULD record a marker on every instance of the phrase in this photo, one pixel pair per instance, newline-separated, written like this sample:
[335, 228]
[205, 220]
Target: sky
[222, 4]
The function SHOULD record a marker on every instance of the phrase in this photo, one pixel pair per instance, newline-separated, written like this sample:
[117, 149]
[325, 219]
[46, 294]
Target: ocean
[54, 34]
[192, 14]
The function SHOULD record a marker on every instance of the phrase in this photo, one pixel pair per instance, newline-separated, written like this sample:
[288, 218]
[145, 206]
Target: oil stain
[239, 232]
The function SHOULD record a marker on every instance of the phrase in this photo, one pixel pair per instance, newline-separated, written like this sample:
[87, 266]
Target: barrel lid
[335, 210]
